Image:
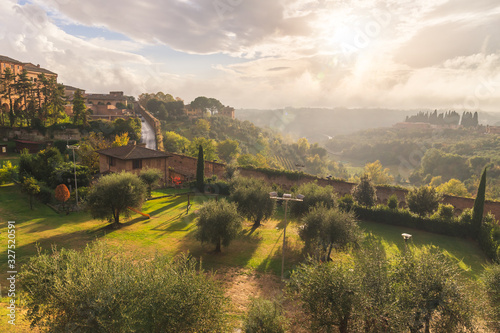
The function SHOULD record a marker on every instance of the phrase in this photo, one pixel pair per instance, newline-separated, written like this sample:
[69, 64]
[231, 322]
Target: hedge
[404, 218]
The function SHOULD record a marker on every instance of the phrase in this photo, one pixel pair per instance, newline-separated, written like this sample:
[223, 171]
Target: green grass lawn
[172, 230]
[466, 254]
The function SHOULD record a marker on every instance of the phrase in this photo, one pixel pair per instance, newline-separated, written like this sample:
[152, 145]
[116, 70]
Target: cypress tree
[200, 171]
[477, 213]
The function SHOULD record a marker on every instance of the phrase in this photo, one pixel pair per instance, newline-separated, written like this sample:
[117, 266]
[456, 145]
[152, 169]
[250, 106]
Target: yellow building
[17, 67]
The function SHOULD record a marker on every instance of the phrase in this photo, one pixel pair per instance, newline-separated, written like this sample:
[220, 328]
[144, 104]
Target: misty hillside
[319, 124]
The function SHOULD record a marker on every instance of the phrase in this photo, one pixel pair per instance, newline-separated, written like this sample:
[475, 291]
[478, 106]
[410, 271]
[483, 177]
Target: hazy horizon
[267, 55]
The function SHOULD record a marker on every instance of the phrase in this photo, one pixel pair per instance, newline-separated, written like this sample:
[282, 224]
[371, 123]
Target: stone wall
[35, 135]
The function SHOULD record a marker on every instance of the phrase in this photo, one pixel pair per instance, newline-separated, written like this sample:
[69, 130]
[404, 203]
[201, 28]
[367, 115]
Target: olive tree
[150, 177]
[330, 294]
[252, 197]
[92, 291]
[326, 228]
[219, 223]
[431, 294]
[113, 194]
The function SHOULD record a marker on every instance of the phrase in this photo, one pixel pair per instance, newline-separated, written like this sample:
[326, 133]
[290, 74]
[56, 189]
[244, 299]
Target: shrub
[491, 278]
[314, 195]
[392, 202]
[423, 200]
[45, 195]
[264, 317]
[405, 218]
[219, 187]
[92, 291]
[346, 202]
[445, 211]
[365, 193]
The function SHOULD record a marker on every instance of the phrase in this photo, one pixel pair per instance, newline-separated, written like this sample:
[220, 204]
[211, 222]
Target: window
[111, 161]
[137, 164]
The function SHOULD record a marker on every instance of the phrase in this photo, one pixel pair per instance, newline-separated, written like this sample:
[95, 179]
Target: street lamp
[74, 169]
[406, 237]
[285, 198]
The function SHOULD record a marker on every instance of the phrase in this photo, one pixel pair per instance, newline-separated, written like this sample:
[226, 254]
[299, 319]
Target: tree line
[30, 103]
[448, 118]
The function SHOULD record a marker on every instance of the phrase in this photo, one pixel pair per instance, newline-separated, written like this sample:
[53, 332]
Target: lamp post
[285, 198]
[74, 169]
[406, 237]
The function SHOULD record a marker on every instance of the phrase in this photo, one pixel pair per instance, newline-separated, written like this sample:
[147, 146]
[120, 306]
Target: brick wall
[383, 192]
[186, 166]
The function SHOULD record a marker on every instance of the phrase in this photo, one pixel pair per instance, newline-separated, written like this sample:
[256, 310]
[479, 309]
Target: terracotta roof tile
[132, 152]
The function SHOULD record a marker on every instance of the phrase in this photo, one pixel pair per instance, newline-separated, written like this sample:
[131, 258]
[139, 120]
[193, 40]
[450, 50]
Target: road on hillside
[148, 135]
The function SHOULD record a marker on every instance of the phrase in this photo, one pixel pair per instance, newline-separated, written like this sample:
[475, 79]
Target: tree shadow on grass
[75, 240]
[166, 207]
[238, 254]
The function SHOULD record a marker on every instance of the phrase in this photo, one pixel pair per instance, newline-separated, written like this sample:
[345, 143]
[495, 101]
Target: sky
[398, 54]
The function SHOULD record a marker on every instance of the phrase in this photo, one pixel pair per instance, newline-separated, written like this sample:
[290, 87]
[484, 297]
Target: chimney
[38, 65]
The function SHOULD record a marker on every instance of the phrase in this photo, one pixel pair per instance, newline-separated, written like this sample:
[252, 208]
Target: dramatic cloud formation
[269, 54]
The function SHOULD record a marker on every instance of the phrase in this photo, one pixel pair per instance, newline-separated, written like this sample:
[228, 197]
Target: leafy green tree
[423, 200]
[200, 171]
[91, 291]
[252, 197]
[202, 127]
[219, 223]
[80, 115]
[65, 171]
[453, 187]
[228, 150]
[324, 229]
[175, 143]
[313, 195]
[364, 192]
[264, 317]
[376, 172]
[209, 148]
[431, 294]
[8, 93]
[445, 211]
[30, 186]
[257, 161]
[7, 172]
[150, 177]
[478, 210]
[113, 194]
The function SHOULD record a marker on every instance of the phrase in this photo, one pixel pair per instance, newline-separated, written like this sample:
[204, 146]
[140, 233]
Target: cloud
[229, 26]
[28, 34]
[373, 53]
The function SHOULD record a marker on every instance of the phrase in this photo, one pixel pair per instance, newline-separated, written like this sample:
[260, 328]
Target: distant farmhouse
[103, 106]
[194, 113]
